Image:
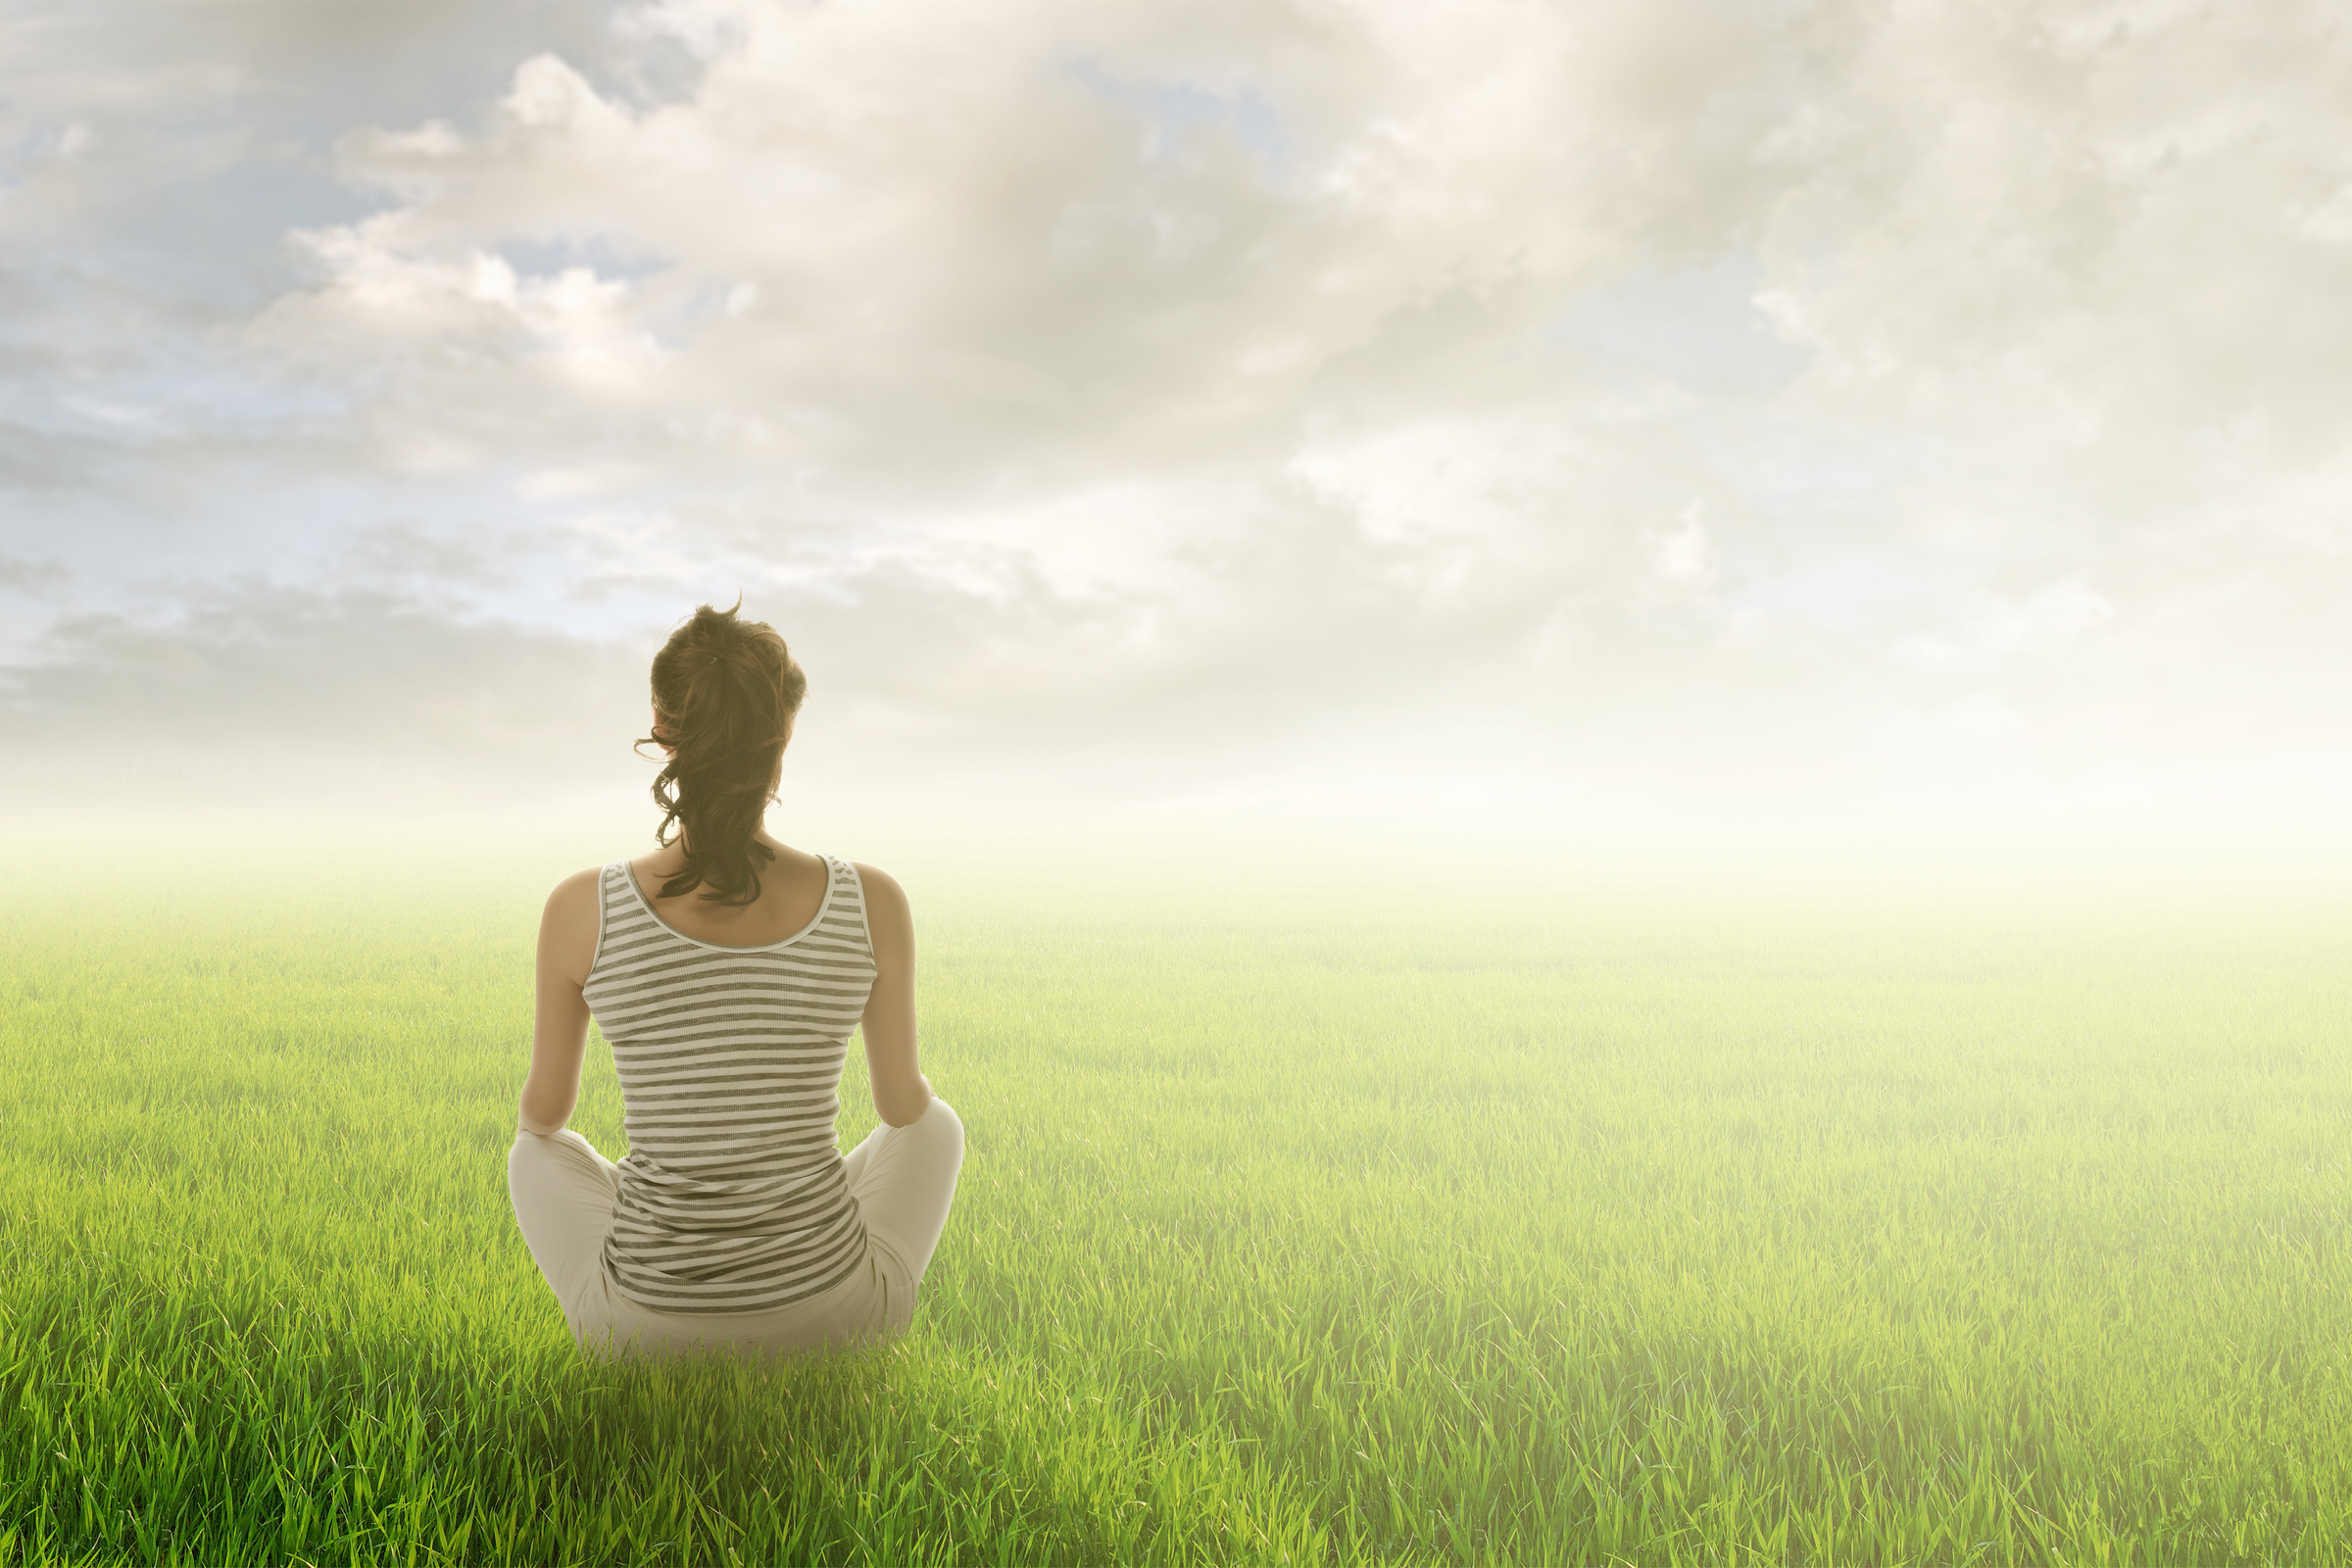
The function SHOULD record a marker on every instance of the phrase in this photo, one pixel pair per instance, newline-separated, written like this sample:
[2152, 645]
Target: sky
[1665, 417]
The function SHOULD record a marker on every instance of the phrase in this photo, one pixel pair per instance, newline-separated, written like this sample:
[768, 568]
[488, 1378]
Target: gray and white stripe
[732, 1198]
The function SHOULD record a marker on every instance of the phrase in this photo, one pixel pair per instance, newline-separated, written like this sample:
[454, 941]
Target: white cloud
[1685, 552]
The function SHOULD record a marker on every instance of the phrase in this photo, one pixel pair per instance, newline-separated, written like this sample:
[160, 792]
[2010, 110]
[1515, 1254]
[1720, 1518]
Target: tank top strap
[849, 896]
[612, 887]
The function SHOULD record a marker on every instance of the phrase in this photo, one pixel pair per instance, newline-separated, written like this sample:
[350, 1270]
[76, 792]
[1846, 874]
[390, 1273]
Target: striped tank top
[732, 1196]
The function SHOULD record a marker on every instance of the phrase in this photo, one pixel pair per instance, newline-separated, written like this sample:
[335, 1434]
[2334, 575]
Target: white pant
[902, 1178]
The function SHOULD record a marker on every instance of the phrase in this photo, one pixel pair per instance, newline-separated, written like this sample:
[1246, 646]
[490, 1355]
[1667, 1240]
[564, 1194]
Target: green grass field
[1297, 1227]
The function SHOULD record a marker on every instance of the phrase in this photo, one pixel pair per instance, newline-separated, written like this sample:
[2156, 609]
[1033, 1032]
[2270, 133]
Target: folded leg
[903, 1179]
[563, 1192]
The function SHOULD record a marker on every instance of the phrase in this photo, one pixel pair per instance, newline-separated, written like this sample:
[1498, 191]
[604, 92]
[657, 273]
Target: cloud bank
[1501, 408]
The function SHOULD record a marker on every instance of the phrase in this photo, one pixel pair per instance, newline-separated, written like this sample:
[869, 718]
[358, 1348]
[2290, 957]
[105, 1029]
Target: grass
[1423, 1228]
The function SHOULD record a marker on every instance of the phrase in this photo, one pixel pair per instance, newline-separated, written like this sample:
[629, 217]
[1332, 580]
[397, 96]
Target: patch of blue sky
[216, 239]
[1821, 545]
[148, 543]
[49, 138]
[545, 257]
[1172, 111]
[1818, 472]
[175, 391]
[25, 621]
[1698, 326]
[1823, 541]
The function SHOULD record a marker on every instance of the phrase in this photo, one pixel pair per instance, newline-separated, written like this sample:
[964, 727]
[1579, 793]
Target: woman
[728, 969]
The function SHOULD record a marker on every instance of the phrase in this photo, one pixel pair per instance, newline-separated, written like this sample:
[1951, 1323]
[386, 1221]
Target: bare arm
[901, 1092]
[559, 1026]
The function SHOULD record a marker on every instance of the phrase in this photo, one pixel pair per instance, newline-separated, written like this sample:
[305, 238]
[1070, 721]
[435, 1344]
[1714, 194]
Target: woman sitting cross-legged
[727, 971]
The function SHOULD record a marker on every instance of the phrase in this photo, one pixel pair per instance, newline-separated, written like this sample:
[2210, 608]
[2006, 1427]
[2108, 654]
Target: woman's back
[732, 1198]
[728, 971]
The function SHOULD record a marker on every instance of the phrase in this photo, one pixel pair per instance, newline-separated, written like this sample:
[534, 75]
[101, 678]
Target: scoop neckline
[629, 874]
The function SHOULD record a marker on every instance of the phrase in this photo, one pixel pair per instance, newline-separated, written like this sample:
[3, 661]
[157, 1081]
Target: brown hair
[724, 695]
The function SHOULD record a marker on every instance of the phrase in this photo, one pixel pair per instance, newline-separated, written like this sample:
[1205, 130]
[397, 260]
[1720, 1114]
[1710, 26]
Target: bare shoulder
[575, 892]
[889, 923]
[568, 929]
[881, 888]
